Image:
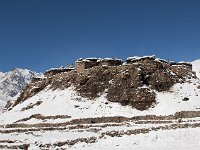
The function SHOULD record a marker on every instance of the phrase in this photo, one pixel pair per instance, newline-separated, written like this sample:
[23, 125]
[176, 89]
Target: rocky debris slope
[134, 83]
[13, 82]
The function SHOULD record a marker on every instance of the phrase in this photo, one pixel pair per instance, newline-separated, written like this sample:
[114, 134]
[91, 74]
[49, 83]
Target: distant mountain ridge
[13, 82]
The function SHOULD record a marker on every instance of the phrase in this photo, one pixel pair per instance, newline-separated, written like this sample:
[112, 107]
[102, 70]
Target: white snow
[138, 57]
[108, 59]
[63, 102]
[47, 136]
[179, 139]
[87, 59]
[196, 67]
[1, 74]
[171, 102]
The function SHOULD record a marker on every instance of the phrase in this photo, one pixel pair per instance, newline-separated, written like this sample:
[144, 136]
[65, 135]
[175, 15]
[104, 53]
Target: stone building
[82, 64]
[182, 68]
[183, 64]
[110, 62]
[54, 71]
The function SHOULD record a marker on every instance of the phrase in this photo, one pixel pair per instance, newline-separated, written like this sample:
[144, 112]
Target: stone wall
[83, 64]
[183, 64]
[110, 62]
[182, 69]
[52, 72]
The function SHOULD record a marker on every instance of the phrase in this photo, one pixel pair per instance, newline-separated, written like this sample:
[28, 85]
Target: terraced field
[91, 131]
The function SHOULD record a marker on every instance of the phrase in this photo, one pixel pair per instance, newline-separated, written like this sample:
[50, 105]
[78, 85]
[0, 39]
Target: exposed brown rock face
[132, 83]
[32, 89]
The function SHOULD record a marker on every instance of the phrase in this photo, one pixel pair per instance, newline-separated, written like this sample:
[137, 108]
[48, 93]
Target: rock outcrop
[132, 83]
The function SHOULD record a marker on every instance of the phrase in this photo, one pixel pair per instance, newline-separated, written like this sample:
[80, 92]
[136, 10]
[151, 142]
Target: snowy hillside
[12, 83]
[3, 101]
[76, 110]
[95, 124]
[68, 102]
[196, 67]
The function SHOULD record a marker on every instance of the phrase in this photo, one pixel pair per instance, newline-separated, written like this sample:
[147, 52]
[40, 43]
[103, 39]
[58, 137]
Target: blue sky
[40, 34]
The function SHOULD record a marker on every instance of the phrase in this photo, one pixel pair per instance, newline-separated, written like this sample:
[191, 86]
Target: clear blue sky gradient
[40, 34]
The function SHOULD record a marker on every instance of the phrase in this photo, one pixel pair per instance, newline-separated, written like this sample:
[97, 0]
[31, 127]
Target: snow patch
[196, 67]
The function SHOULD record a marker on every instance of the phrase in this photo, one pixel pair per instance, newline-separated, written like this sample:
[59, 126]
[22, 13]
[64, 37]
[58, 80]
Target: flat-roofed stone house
[54, 71]
[82, 64]
[110, 62]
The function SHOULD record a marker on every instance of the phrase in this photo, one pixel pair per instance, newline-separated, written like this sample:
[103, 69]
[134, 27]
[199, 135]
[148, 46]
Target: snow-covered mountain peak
[1, 73]
[13, 82]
